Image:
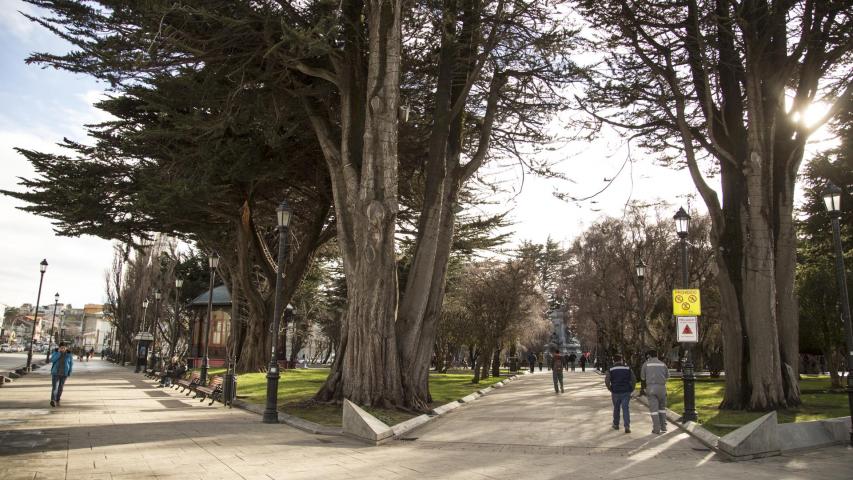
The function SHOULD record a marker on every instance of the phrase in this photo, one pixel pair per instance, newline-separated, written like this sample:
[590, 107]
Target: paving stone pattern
[113, 424]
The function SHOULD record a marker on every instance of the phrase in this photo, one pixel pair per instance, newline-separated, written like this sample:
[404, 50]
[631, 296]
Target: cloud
[16, 24]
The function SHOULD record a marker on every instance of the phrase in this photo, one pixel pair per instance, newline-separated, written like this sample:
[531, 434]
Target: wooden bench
[212, 390]
[188, 383]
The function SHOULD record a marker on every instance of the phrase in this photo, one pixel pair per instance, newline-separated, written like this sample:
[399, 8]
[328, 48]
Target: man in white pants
[655, 374]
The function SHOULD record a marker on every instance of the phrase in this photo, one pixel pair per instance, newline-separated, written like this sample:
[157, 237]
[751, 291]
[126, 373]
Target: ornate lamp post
[271, 412]
[155, 328]
[213, 261]
[641, 278]
[832, 200]
[52, 321]
[142, 338]
[682, 223]
[42, 269]
[179, 282]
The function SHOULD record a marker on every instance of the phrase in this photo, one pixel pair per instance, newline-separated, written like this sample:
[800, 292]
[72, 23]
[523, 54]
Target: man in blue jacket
[63, 362]
[620, 380]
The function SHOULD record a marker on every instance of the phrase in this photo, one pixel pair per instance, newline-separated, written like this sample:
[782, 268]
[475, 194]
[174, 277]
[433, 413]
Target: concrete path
[115, 424]
[528, 414]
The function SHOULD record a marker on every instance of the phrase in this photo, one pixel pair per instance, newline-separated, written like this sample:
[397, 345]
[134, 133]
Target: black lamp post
[832, 200]
[641, 279]
[139, 350]
[42, 269]
[213, 261]
[271, 411]
[682, 223]
[179, 282]
[155, 327]
[52, 321]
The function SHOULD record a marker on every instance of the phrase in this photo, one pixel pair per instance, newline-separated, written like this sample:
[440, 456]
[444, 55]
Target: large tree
[723, 86]
[488, 87]
[184, 156]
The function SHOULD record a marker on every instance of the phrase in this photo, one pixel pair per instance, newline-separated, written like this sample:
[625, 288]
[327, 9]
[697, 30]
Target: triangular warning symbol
[687, 330]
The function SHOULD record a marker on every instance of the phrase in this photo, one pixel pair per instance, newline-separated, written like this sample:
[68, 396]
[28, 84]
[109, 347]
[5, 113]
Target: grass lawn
[818, 403]
[297, 387]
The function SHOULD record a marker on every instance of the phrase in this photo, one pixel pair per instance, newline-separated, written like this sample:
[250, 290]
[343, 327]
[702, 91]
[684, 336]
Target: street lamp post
[682, 223]
[52, 321]
[271, 412]
[213, 261]
[141, 329]
[155, 327]
[832, 200]
[179, 282]
[641, 280]
[42, 269]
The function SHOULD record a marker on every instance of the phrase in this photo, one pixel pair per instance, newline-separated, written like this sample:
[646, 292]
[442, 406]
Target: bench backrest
[215, 382]
[195, 377]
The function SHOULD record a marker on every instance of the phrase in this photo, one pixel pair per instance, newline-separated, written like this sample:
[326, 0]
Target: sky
[40, 107]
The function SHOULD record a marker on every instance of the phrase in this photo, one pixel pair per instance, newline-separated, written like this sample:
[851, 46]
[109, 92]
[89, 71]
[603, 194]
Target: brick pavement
[114, 424]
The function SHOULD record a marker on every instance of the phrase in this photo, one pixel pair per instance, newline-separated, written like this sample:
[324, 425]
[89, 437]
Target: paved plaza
[113, 424]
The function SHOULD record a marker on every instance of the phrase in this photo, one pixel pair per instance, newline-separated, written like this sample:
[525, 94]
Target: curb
[693, 429]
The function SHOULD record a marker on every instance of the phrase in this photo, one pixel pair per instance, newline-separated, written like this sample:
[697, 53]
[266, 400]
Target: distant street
[9, 361]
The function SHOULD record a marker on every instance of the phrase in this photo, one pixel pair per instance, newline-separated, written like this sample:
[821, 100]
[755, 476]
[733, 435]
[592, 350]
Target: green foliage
[297, 387]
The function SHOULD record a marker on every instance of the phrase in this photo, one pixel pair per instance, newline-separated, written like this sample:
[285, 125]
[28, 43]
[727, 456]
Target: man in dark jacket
[572, 359]
[63, 362]
[531, 360]
[620, 380]
[557, 370]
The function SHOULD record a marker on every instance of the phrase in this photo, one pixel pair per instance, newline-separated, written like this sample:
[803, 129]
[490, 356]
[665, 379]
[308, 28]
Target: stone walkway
[114, 424]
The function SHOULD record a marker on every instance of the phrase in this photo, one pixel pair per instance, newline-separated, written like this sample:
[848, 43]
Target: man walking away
[531, 360]
[655, 374]
[583, 362]
[620, 380]
[557, 370]
[572, 359]
[62, 361]
[540, 359]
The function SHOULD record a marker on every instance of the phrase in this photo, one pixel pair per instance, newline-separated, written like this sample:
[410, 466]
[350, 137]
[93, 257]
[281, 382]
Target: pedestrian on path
[620, 380]
[540, 359]
[583, 362]
[655, 373]
[557, 370]
[62, 361]
[531, 360]
[572, 359]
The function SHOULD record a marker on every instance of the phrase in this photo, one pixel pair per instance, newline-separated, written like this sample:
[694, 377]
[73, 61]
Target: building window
[217, 333]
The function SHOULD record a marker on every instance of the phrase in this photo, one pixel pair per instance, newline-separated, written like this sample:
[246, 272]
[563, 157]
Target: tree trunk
[787, 308]
[367, 365]
[833, 364]
[496, 362]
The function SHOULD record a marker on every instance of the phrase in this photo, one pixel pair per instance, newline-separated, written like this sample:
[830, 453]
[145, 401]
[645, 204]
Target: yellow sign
[686, 303]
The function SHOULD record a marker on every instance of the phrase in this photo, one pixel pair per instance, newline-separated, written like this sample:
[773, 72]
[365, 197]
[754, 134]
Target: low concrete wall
[820, 433]
[766, 436]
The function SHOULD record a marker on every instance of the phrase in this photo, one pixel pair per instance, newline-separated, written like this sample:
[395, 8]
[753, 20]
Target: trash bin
[229, 389]
[513, 364]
